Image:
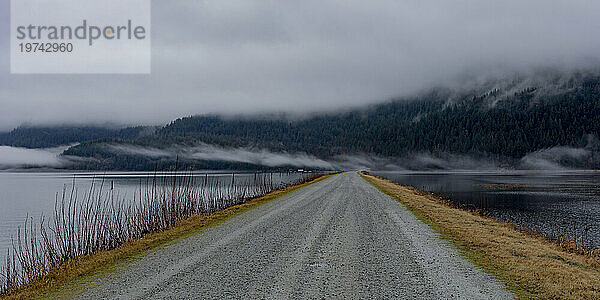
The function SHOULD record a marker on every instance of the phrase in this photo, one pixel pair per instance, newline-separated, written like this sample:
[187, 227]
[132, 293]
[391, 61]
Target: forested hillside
[49, 136]
[499, 120]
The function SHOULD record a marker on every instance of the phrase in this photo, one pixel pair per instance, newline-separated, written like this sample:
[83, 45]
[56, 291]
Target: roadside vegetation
[529, 264]
[92, 234]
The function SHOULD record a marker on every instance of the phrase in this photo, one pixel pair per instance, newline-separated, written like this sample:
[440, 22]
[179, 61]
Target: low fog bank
[564, 157]
[213, 153]
[554, 158]
[15, 157]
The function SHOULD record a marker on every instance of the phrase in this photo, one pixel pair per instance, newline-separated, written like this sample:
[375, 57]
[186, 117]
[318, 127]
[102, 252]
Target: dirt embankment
[528, 264]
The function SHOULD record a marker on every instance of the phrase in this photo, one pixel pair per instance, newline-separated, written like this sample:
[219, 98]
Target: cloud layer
[213, 153]
[252, 56]
[14, 157]
[555, 158]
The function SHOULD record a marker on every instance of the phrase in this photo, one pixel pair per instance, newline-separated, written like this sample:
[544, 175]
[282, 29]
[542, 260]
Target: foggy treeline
[511, 121]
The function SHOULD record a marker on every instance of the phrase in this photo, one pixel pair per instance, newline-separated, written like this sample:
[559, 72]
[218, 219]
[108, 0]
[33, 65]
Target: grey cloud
[255, 56]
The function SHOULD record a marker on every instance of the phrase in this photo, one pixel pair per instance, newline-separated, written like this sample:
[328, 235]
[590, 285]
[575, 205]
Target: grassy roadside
[527, 263]
[65, 278]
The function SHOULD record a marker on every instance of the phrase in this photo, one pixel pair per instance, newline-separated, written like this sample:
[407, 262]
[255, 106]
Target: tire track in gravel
[338, 238]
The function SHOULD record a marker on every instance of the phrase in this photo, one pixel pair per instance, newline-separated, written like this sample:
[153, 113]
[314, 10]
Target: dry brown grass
[64, 279]
[530, 265]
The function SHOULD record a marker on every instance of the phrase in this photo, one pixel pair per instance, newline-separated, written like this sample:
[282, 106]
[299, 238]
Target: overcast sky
[252, 56]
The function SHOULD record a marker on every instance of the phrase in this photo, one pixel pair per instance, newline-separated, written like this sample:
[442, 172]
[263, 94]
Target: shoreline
[63, 279]
[528, 264]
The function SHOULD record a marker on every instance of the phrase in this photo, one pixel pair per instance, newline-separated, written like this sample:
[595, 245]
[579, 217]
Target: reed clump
[101, 220]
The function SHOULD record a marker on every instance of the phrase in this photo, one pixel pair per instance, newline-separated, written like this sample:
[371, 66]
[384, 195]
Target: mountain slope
[51, 136]
[504, 120]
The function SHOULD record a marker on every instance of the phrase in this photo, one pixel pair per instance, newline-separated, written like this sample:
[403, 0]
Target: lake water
[554, 203]
[33, 194]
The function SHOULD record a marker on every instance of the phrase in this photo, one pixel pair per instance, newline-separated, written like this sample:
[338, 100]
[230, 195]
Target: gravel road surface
[338, 238]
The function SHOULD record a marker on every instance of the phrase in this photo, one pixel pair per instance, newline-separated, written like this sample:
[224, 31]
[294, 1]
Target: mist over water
[550, 159]
[214, 153]
[555, 158]
[14, 157]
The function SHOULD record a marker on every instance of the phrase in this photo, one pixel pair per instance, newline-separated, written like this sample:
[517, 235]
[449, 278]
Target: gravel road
[338, 238]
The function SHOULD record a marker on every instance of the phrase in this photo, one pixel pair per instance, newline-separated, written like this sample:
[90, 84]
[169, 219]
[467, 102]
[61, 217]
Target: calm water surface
[554, 203]
[33, 194]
